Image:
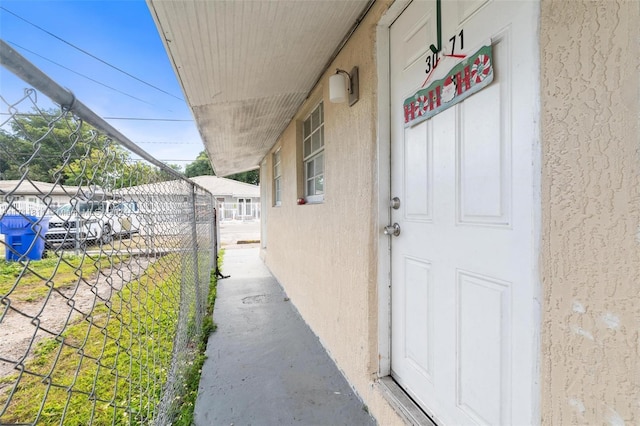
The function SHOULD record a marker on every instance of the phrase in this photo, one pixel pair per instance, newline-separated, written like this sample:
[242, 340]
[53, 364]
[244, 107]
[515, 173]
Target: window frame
[313, 152]
[277, 178]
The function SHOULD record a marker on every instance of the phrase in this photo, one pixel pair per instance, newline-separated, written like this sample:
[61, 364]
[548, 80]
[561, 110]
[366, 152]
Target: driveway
[237, 232]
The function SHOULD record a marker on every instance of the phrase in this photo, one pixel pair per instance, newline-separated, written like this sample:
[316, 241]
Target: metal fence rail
[105, 265]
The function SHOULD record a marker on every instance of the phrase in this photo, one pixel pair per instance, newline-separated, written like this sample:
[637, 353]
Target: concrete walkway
[264, 365]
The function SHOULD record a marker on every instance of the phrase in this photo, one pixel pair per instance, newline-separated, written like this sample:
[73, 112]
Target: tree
[252, 177]
[49, 146]
[164, 176]
[111, 168]
[200, 167]
[176, 167]
[43, 143]
[14, 153]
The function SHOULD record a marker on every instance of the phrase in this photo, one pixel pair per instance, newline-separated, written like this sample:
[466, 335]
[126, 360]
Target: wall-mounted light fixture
[342, 84]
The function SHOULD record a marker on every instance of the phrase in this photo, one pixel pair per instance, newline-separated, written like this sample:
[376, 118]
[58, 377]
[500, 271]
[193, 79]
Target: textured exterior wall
[591, 212]
[325, 254]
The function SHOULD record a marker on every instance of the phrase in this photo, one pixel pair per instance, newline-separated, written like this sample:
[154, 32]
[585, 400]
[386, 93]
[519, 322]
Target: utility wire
[168, 143]
[77, 73]
[21, 156]
[89, 54]
[145, 119]
[107, 118]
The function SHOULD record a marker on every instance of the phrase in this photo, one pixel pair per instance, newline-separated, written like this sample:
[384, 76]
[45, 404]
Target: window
[244, 207]
[313, 154]
[277, 179]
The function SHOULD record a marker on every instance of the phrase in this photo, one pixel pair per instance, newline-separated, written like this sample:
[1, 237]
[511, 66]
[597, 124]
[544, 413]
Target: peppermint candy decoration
[481, 68]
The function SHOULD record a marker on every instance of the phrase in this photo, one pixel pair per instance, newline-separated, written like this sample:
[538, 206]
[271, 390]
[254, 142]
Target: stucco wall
[591, 210]
[325, 254]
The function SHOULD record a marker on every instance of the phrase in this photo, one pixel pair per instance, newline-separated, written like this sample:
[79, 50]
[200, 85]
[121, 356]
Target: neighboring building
[34, 197]
[160, 214]
[235, 200]
[511, 293]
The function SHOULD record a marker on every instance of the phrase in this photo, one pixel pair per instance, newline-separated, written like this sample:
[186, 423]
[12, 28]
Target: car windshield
[127, 207]
[69, 209]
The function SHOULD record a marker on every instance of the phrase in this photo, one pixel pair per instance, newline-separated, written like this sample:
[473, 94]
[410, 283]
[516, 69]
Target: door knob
[392, 230]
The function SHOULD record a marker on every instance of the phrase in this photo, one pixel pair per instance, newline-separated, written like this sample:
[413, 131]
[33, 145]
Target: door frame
[383, 146]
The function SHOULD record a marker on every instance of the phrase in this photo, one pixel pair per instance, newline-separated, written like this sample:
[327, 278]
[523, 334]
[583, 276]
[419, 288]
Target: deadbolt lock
[394, 203]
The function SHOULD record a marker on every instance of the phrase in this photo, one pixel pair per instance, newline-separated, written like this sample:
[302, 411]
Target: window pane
[310, 172]
[307, 147]
[276, 164]
[312, 150]
[319, 184]
[319, 164]
[316, 142]
[307, 127]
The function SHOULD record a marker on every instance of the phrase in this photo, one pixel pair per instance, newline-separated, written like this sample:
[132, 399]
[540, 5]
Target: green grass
[38, 275]
[110, 367]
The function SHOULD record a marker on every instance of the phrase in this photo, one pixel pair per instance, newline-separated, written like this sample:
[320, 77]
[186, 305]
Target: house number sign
[467, 77]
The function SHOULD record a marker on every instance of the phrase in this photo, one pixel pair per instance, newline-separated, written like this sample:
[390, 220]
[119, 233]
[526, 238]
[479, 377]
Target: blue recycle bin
[23, 236]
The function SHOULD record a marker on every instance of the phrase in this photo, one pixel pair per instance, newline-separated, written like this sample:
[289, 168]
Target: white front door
[464, 271]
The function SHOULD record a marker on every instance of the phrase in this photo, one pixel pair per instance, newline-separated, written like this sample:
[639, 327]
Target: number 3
[432, 62]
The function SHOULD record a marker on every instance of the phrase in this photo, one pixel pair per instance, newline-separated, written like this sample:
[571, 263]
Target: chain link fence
[105, 270]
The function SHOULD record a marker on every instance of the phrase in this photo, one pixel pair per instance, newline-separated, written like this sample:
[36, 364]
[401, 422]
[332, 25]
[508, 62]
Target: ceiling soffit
[246, 66]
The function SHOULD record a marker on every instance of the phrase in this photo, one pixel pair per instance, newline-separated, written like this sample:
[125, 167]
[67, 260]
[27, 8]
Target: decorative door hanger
[466, 78]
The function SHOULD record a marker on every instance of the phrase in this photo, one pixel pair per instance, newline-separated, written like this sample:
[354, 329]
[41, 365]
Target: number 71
[453, 42]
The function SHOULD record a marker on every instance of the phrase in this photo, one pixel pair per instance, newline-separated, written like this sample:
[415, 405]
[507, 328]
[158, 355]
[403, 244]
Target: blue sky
[121, 33]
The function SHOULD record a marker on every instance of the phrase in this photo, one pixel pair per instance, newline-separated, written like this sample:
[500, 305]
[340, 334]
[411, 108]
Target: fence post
[194, 237]
[214, 240]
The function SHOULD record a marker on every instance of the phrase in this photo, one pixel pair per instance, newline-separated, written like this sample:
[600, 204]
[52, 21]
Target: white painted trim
[276, 178]
[383, 143]
[313, 155]
[536, 392]
[410, 412]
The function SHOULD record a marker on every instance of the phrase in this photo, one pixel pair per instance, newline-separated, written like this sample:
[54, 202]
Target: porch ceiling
[246, 66]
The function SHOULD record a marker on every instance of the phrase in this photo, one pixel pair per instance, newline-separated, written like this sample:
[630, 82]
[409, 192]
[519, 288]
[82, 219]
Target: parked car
[92, 222]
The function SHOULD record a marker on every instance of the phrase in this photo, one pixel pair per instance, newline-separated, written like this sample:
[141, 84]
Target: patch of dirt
[24, 324]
